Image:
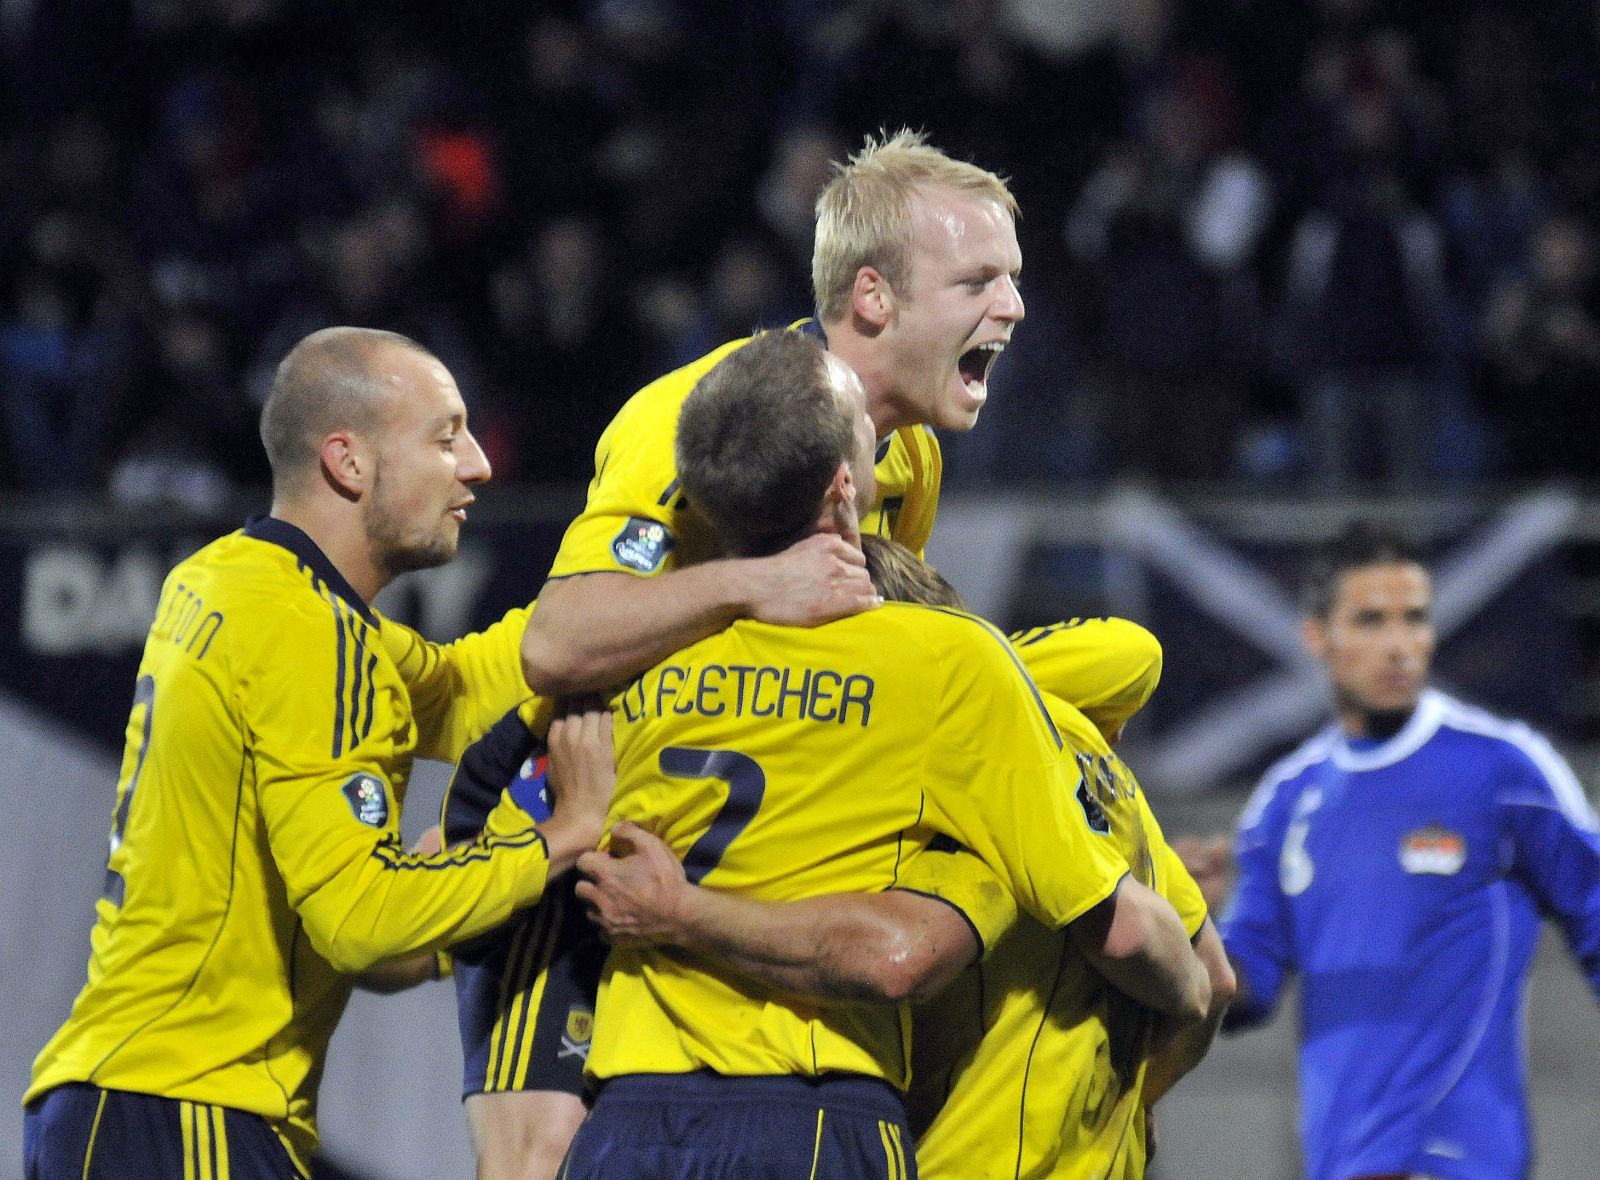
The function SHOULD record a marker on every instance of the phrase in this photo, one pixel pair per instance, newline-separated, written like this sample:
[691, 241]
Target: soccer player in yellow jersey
[255, 858]
[1030, 1065]
[785, 763]
[915, 269]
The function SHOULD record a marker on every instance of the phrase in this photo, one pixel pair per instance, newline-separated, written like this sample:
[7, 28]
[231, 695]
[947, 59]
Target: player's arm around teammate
[596, 629]
[904, 944]
[888, 947]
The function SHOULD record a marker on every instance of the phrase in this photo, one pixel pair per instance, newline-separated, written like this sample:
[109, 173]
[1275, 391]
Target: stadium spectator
[1166, 230]
[1540, 341]
[215, 143]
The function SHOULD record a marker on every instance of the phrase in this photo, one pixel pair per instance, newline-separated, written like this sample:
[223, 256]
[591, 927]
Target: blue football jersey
[1404, 881]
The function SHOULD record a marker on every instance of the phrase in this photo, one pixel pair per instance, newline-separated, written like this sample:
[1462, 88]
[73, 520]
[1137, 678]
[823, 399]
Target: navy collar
[810, 327]
[281, 533]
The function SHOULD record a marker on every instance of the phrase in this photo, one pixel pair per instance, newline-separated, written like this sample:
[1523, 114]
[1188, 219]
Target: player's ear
[872, 298]
[838, 511]
[345, 464]
[1314, 634]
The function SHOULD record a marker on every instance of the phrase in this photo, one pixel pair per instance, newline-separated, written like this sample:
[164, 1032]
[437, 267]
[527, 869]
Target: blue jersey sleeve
[507, 757]
[1255, 923]
[1555, 840]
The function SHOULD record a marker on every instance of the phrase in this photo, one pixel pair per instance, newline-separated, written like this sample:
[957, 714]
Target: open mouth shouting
[975, 365]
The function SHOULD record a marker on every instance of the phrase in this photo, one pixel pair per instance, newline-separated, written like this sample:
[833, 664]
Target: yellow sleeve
[963, 882]
[459, 689]
[1106, 668]
[634, 519]
[332, 822]
[1001, 781]
[1173, 881]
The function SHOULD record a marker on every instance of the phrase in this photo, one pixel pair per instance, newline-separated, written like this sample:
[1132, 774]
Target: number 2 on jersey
[144, 697]
[747, 784]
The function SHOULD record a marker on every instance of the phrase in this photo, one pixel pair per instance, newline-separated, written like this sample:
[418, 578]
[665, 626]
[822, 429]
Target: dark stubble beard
[391, 548]
[1377, 724]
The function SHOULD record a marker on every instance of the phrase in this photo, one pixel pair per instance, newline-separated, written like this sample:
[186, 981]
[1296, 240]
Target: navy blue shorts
[705, 1126]
[81, 1132]
[525, 998]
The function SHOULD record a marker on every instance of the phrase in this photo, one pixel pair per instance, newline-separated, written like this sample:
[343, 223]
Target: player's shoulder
[1122, 641]
[664, 396]
[273, 578]
[1476, 724]
[959, 645]
[1289, 775]
[944, 628]
[1507, 748]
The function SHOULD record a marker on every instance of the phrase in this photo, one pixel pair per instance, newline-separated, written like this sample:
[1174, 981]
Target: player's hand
[582, 770]
[814, 581]
[1210, 863]
[431, 841]
[636, 892]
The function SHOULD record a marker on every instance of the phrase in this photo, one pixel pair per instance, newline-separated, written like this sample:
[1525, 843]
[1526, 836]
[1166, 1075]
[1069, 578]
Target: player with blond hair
[916, 266]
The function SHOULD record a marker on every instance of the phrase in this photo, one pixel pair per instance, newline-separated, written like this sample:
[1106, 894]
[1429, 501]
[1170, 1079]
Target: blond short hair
[864, 213]
[327, 382]
[899, 575]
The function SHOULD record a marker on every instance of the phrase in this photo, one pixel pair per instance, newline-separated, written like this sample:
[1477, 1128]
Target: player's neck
[877, 373]
[342, 541]
[1374, 725]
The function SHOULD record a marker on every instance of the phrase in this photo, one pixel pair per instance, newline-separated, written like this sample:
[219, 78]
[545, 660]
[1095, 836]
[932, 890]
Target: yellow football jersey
[1030, 1064]
[636, 520]
[1106, 668]
[255, 847]
[783, 763]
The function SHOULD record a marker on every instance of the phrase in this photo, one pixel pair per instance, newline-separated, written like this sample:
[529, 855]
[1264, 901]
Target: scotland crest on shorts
[579, 1031]
[368, 800]
[642, 545]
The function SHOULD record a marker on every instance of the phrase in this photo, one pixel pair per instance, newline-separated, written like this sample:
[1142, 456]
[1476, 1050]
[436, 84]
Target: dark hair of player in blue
[1360, 544]
[759, 441]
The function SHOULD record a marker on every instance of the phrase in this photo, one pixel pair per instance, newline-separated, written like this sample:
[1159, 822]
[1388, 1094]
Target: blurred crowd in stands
[1299, 244]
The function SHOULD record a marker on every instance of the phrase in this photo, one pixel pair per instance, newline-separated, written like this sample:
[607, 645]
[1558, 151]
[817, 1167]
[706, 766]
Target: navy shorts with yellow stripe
[525, 996]
[81, 1132]
[705, 1126]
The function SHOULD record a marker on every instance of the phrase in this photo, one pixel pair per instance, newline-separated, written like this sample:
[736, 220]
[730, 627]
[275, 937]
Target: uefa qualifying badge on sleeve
[368, 799]
[642, 545]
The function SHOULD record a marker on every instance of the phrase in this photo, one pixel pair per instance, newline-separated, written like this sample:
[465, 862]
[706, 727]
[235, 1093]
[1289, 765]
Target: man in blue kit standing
[1400, 862]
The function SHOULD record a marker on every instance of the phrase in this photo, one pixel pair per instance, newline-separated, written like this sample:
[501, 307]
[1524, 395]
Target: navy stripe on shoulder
[287, 536]
[1036, 634]
[993, 632]
[339, 687]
